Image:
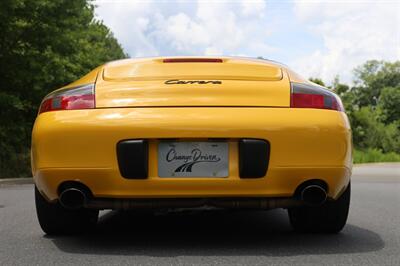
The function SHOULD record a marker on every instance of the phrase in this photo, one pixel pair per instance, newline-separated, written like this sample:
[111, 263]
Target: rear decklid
[192, 81]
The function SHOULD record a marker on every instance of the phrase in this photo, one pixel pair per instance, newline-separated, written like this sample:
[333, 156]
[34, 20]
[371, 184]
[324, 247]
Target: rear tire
[56, 220]
[330, 217]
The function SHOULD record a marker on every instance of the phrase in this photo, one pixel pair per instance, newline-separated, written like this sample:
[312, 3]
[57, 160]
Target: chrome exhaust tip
[314, 195]
[72, 198]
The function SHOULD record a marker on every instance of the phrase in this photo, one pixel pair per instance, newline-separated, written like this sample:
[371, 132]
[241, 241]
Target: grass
[374, 156]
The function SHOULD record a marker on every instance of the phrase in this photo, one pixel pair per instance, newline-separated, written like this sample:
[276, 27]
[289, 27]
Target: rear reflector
[193, 60]
[312, 96]
[81, 97]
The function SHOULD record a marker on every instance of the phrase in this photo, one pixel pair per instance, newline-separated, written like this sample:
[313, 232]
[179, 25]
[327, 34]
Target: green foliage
[44, 45]
[373, 106]
[372, 77]
[317, 81]
[389, 103]
[370, 132]
[374, 156]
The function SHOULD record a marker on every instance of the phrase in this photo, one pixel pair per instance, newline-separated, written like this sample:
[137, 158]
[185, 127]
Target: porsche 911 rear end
[191, 132]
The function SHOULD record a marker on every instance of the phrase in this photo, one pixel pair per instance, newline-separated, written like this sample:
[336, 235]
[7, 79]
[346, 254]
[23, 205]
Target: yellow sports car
[165, 133]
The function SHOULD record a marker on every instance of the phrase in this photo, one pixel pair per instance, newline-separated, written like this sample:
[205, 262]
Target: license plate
[193, 159]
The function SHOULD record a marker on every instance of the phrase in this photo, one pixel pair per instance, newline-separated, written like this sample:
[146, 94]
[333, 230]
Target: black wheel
[56, 220]
[330, 217]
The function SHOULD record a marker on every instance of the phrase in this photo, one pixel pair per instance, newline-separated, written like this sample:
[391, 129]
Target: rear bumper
[80, 146]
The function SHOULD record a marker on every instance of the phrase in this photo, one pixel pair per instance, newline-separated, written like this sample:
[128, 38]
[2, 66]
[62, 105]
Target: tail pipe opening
[72, 198]
[314, 195]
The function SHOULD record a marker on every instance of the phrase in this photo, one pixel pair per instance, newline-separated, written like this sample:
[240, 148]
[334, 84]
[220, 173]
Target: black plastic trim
[133, 158]
[253, 158]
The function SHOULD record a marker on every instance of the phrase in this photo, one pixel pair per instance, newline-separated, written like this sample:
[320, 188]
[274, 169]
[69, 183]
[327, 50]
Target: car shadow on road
[212, 233]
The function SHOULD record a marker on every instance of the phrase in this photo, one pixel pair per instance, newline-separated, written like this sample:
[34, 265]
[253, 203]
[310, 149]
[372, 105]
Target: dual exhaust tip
[75, 198]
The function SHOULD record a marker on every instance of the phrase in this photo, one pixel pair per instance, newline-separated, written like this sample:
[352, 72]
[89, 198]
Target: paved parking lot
[372, 236]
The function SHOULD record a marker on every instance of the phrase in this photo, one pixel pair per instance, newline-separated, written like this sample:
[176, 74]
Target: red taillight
[302, 100]
[192, 60]
[81, 97]
[311, 96]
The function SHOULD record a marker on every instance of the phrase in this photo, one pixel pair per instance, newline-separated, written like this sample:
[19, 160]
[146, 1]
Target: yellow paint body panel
[156, 69]
[80, 145]
[142, 83]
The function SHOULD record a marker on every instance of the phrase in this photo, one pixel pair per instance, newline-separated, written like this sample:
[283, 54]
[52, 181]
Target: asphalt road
[371, 237]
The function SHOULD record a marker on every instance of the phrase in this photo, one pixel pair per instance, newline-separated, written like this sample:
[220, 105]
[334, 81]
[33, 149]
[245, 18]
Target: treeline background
[47, 44]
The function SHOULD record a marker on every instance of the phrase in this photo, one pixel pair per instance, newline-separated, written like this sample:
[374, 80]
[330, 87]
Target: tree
[372, 77]
[378, 89]
[370, 132]
[372, 105]
[340, 88]
[389, 103]
[317, 81]
[44, 44]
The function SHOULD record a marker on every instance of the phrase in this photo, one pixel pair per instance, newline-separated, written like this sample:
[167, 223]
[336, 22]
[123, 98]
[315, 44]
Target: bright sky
[315, 38]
